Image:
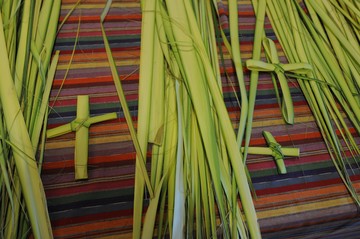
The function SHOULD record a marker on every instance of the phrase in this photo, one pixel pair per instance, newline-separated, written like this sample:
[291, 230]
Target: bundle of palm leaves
[27, 35]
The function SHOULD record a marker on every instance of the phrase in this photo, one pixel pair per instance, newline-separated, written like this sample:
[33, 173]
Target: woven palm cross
[276, 151]
[280, 71]
[80, 125]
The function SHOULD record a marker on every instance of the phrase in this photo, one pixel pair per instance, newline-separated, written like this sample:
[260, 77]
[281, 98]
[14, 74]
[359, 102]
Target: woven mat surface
[308, 202]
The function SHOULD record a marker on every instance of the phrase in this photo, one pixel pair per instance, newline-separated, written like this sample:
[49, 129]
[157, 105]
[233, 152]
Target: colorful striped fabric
[309, 201]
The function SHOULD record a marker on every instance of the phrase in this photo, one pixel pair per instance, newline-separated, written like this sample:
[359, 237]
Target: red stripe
[95, 186]
[100, 81]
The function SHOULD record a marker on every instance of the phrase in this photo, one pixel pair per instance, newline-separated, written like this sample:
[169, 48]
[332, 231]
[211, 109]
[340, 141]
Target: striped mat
[308, 202]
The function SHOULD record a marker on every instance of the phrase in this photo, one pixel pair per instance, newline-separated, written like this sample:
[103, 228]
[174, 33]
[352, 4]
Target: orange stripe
[302, 196]
[105, 129]
[95, 226]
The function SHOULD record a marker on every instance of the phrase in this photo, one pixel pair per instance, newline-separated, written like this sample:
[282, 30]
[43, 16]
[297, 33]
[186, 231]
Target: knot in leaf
[276, 150]
[78, 123]
[278, 68]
